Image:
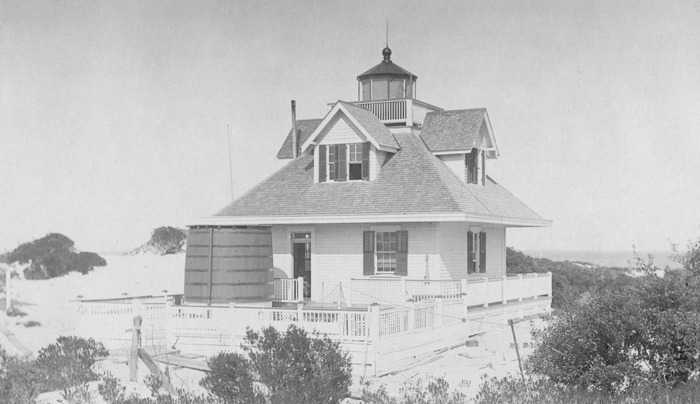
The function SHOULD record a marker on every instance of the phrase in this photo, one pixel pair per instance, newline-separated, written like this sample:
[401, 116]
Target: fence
[289, 290]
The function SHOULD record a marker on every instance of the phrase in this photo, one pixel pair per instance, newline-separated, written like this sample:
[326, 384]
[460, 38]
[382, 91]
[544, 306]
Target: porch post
[486, 292]
[504, 278]
[465, 301]
[374, 333]
[520, 285]
[300, 289]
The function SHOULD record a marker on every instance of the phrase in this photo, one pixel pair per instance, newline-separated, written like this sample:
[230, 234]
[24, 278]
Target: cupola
[386, 81]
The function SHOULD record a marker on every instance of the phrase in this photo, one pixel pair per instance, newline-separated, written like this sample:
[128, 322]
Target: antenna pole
[387, 33]
[230, 161]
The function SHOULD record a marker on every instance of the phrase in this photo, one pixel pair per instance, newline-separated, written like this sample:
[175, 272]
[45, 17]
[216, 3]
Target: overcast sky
[113, 114]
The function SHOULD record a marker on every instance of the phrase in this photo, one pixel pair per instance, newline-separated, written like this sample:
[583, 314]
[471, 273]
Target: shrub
[32, 323]
[68, 362]
[296, 368]
[15, 312]
[231, 379]
[52, 256]
[17, 379]
[429, 391]
[645, 334]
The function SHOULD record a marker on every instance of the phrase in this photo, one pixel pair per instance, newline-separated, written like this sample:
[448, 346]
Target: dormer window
[343, 162]
[474, 163]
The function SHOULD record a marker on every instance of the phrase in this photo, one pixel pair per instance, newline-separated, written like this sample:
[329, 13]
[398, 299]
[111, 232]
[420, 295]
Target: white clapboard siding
[453, 251]
[376, 159]
[340, 130]
[281, 252]
[339, 256]
[455, 162]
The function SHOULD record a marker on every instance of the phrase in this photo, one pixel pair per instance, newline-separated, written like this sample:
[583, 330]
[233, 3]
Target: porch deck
[411, 319]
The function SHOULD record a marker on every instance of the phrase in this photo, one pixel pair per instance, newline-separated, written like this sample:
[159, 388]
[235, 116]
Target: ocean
[621, 259]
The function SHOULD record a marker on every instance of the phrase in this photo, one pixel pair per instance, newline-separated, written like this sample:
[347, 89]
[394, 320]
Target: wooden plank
[183, 362]
[155, 370]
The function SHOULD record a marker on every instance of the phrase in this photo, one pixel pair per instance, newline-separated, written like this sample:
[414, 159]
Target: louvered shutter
[365, 162]
[322, 163]
[341, 166]
[470, 252]
[482, 252]
[483, 168]
[468, 167]
[402, 253]
[475, 166]
[368, 253]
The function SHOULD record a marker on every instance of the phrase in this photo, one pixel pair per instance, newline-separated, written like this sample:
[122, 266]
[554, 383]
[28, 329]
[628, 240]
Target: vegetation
[291, 367]
[59, 366]
[51, 256]
[164, 240]
[571, 281]
[429, 391]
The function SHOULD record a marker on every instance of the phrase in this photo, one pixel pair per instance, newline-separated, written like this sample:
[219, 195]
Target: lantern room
[386, 81]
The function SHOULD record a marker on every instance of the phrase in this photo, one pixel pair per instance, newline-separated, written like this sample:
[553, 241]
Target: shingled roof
[372, 124]
[412, 181]
[306, 126]
[455, 130]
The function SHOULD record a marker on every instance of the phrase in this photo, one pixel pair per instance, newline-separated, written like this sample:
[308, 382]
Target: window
[331, 163]
[472, 166]
[476, 252]
[386, 252]
[355, 161]
[344, 162]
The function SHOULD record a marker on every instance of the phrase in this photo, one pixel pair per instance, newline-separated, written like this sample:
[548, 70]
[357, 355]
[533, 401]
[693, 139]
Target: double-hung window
[331, 163]
[386, 252]
[355, 161]
[476, 252]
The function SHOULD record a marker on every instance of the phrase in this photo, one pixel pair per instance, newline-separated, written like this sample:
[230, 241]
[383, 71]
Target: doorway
[301, 252]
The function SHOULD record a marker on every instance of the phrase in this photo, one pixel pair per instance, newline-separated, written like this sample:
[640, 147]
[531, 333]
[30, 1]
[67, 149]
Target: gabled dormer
[349, 144]
[463, 140]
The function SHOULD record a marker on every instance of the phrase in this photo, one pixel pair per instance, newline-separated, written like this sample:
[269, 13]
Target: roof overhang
[338, 108]
[388, 218]
[493, 150]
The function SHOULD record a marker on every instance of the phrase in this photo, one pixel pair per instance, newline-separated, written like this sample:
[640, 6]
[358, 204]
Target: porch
[385, 324]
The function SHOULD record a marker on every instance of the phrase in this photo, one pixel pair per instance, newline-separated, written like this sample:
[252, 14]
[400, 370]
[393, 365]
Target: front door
[302, 264]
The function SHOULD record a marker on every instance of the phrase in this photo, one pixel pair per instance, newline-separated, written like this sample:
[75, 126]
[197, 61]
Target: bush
[52, 256]
[292, 367]
[15, 312]
[295, 368]
[17, 379]
[231, 379]
[512, 390]
[164, 240]
[430, 391]
[645, 334]
[68, 362]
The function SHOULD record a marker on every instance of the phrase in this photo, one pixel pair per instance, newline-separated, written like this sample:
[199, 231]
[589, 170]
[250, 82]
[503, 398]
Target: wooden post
[504, 278]
[549, 286]
[519, 288]
[517, 351]
[135, 345]
[300, 289]
[374, 334]
[403, 292]
[465, 301]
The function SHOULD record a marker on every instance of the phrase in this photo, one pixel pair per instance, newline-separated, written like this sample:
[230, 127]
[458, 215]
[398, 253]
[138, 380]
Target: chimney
[295, 146]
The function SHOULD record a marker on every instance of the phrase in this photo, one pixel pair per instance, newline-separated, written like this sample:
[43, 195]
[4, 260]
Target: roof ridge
[458, 110]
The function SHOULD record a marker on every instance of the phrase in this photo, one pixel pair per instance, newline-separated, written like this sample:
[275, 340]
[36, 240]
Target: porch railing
[289, 290]
[479, 291]
[388, 111]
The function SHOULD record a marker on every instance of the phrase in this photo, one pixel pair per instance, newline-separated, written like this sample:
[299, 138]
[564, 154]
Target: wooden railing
[388, 111]
[401, 290]
[504, 289]
[289, 290]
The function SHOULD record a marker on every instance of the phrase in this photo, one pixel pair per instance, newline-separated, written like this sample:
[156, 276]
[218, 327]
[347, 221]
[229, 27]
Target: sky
[114, 115]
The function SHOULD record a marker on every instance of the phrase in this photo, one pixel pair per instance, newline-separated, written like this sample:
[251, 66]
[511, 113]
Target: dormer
[350, 144]
[463, 140]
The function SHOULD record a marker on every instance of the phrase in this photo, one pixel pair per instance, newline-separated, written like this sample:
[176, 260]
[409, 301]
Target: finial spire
[386, 52]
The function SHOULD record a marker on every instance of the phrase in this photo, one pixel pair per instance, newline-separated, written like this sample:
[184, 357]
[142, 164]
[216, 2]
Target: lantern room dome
[387, 80]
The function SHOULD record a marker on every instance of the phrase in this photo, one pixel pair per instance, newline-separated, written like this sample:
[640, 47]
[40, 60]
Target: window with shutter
[482, 252]
[471, 263]
[322, 163]
[345, 162]
[368, 253]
